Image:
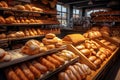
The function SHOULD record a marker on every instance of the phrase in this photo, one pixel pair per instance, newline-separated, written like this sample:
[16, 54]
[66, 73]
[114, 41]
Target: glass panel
[64, 9]
[64, 22]
[59, 16]
[59, 7]
[64, 15]
[73, 11]
[77, 11]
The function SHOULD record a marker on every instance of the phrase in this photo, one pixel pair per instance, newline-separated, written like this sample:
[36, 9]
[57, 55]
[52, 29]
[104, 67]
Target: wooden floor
[114, 72]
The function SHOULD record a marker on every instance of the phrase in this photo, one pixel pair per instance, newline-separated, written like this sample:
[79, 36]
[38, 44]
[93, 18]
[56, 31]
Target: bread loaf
[40, 67]
[28, 7]
[74, 38]
[35, 71]
[71, 75]
[19, 7]
[20, 73]
[50, 36]
[2, 20]
[27, 72]
[47, 63]
[63, 76]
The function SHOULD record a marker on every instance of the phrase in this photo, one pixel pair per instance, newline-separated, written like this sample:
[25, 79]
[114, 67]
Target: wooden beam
[76, 2]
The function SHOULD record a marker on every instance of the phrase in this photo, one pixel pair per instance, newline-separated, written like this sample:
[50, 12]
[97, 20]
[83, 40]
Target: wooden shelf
[25, 11]
[25, 57]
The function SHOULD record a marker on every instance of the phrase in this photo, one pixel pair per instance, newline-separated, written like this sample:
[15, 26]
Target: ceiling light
[90, 2]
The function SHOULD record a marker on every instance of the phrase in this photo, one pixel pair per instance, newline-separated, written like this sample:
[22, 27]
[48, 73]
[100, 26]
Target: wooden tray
[83, 59]
[97, 72]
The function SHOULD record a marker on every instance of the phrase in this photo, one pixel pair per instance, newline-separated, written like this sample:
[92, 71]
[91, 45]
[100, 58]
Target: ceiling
[85, 3]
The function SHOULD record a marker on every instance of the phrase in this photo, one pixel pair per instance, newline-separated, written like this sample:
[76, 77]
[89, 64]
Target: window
[62, 10]
[76, 13]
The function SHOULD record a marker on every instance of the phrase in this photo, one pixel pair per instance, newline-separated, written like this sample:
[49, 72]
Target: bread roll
[61, 60]
[11, 75]
[35, 71]
[97, 62]
[2, 53]
[71, 75]
[50, 36]
[20, 7]
[49, 41]
[40, 67]
[47, 63]
[34, 31]
[2, 36]
[19, 34]
[63, 76]
[2, 20]
[54, 61]
[50, 47]
[4, 4]
[86, 52]
[79, 47]
[102, 57]
[81, 73]
[92, 58]
[11, 36]
[20, 73]
[7, 57]
[75, 72]
[27, 72]
[26, 32]
[28, 7]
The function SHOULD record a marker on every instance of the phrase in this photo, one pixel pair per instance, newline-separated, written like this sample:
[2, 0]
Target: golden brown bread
[54, 61]
[2, 20]
[2, 36]
[2, 53]
[81, 73]
[40, 67]
[19, 7]
[11, 75]
[50, 36]
[71, 75]
[20, 73]
[75, 72]
[35, 71]
[50, 46]
[27, 72]
[63, 76]
[61, 60]
[86, 52]
[92, 58]
[47, 63]
[4, 4]
[74, 38]
[97, 62]
[28, 7]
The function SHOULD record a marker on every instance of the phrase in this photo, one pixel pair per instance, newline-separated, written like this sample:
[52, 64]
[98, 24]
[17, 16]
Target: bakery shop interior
[59, 40]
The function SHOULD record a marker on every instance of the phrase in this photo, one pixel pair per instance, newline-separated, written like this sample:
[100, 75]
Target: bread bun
[45, 1]
[28, 7]
[2, 53]
[7, 57]
[102, 57]
[4, 4]
[20, 7]
[11, 36]
[50, 36]
[43, 69]
[71, 75]
[50, 46]
[49, 41]
[82, 74]
[75, 72]
[97, 62]
[2, 36]
[63, 76]
[92, 58]
[2, 20]
[19, 34]
[86, 52]
[79, 47]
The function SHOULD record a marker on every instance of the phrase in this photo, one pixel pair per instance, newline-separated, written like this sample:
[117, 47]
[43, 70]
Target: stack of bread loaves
[4, 56]
[75, 72]
[33, 47]
[51, 41]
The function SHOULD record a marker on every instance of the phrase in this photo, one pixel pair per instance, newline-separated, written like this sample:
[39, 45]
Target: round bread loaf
[50, 36]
